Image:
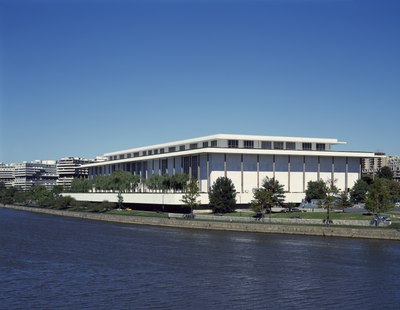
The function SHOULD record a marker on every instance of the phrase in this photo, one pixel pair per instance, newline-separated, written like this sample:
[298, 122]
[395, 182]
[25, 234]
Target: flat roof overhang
[211, 150]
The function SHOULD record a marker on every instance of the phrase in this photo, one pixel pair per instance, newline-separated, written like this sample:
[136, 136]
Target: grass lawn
[138, 213]
[312, 215]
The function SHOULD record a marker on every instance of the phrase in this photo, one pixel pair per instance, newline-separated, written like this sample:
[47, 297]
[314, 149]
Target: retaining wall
[372, 232]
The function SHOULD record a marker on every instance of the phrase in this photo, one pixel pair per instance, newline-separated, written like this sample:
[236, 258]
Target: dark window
[205, 144]
[320, 147]
[278, 145]
[164, 166]
[307, 146]
[233, 143]
[266, 145]
[193, 146]
[194, 167]
[186, 164]
[290, 145]
[248, 144]
[172, 149]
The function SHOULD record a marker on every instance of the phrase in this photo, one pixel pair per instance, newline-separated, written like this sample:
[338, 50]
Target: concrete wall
[371, 233]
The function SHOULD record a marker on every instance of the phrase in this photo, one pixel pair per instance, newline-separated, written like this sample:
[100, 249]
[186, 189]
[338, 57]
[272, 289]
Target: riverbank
[332, 231]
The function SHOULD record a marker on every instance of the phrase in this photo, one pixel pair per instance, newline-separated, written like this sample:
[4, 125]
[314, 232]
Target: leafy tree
[179, 182]
[81, 186]
[154, 182]
[330, 193]
[102, 182]
[270, 195]
[191, 195]
[343, 201]
[41, 196]
[120, 200]
[395, 190]
[165, 182]
[379, 197]
[358, 193]
[316, 190]
[222, 195]
[368, 178]
[7, 195]
[121, 180]
[61, 202]
[385, 173]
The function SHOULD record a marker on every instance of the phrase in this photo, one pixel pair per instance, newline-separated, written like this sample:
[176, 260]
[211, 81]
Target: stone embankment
[332, 231]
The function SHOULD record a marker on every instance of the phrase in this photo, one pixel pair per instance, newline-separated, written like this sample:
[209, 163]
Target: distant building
[7, 174]
[38, 172]
[394, 164]
[373, 165]
[70, 168]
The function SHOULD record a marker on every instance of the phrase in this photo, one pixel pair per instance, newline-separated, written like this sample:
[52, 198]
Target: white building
[394, 164]
[70, 168]
[373, 165]
[7, 174]
[38, 172]
[245, 159]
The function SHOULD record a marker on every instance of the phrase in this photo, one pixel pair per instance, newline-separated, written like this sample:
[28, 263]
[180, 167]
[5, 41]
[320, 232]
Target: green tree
[379, 197]
[121, 181]
[7, 195]
[191, 195]
[166, 183]
[368, 178]
[316, 190]
[120, 200]
[179, 182]
[270, 195]
[154, 182]
[331, 193]
[41, 196]
[343, 201]
[80, 186]
[222, 196]
[358, 194]
[385, 173]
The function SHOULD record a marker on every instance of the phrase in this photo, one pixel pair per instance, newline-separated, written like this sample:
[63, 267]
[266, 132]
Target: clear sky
[82, 78]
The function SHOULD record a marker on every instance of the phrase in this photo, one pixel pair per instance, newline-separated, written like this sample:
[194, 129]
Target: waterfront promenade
[259, 227]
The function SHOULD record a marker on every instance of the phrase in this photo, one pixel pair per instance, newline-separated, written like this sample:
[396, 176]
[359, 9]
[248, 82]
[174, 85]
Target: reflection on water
[53, 262]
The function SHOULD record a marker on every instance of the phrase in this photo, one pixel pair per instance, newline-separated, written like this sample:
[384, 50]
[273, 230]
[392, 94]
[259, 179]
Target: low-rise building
[245, 159]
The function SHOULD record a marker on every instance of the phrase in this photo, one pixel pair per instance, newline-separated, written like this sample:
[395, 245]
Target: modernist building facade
[70, 168]
[38, 172]
[247, 160]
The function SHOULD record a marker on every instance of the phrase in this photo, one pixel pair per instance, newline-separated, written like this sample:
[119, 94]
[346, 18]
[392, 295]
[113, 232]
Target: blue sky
[81, 78]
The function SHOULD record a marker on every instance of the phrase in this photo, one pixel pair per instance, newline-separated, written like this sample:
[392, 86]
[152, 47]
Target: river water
[50, 262]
